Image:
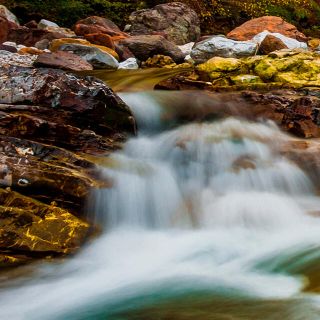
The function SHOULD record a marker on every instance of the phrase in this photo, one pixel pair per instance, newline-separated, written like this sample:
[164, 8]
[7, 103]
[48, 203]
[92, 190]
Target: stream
[206, 220]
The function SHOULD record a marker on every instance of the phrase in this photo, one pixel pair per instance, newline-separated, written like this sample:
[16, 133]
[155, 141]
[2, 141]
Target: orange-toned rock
[96, 24]
[30, 50]
[100, 39]
[57, 43]
[4, 27]
[273, 24]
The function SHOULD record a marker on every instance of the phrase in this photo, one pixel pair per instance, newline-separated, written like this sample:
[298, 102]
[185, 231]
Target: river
[206, 220]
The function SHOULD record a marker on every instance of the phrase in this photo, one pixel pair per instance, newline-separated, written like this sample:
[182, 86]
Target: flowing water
[206, 220]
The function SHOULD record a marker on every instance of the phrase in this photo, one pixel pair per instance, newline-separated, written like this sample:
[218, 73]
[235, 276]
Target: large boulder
[62, 60]
[222, 47]
[146, 46]
[175, 21]
[93, 55]
[270, 23]
[4, 28]
[4, 12]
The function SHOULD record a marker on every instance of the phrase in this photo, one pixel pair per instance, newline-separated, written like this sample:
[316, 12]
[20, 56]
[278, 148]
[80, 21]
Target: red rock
[100, 39]
[273, 24]
[270, 44]
[4, 27]
[96, 24]
[62, 60]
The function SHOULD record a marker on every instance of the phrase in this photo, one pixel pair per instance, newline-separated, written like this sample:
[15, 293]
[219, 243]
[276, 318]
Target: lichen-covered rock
[222, 47]
[146, 46]
[159, 61]
[31, 227]
[175, 21]
[62, 60]
[94, 56]
[270, 23]
[245, 79]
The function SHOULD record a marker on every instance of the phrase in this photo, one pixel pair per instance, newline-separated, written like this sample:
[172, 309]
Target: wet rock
[270, 23]
[96, 24]
[271, 43]
[57, 43]
[222, 47]
[30, 227]
[94, 56]
[129, 64]
[4, 12]
[175, 21]
[62, 60]
[146, 46]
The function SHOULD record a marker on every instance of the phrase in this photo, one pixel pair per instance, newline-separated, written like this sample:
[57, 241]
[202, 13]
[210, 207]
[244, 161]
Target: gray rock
[96, 57]
[146, 46]
[129, 64]
[44, 24]
[222, 47]
[175, 21]
[14, 59]
[42, 44]
[187, 48]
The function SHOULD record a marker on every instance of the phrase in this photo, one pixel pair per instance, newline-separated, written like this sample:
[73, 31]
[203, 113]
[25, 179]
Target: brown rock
[4, 28]
[62, 60]
[100, 39]
[8, 48]
[30, 50]
[270, 44]
[96, 24]
[273, 24]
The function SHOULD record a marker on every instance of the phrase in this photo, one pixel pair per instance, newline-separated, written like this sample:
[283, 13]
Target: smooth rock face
[271, 43]
[222, 47]
[289, 43]
[96, 57]
[8, 15]
[187, 48]
[270, 23]
[146, 46]
[175, 21]
[62, 60]
[129, 64]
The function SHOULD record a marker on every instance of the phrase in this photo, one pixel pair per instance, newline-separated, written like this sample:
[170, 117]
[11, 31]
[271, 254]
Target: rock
[175, 21]
[57, 43]
[270, 23]
[44, 24]
[100, 39]
[30, 50]
[4, 29]
[4, 12]
[223, 47]
[42, 44]
[314, 43]
[159, 61]
[82, 103]
[129, 64]
[271, 43]
[245, 79]
[123, 52]
[94, 56]
[96, 24]
[289, 43]
[14, 59]
[187, 48]
[5, 47]
[146, 46]
[31, 227]
[62, 60]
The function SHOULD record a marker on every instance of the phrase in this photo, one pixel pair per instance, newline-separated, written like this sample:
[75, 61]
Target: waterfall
[204, 220]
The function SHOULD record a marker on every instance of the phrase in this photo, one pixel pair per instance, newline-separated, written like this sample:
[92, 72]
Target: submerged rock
[222, 47]
[175, 21]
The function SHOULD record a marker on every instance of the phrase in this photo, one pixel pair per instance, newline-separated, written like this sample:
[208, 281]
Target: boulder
[4, 29]
[146, 46]
[289, 43]
[129, 64]
[270, 23]
[100, 39]
[57, 43]
[94, 56]
[186, 48]
[175, 21]
[8, 48]
[271, 43]
[159, 61]
[62, 60]
[44, 24]
[96, 24]
[4, 12]
[222, 47]
[8, 58]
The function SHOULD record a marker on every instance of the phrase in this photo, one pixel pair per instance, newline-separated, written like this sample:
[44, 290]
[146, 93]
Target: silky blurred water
[205, 220]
